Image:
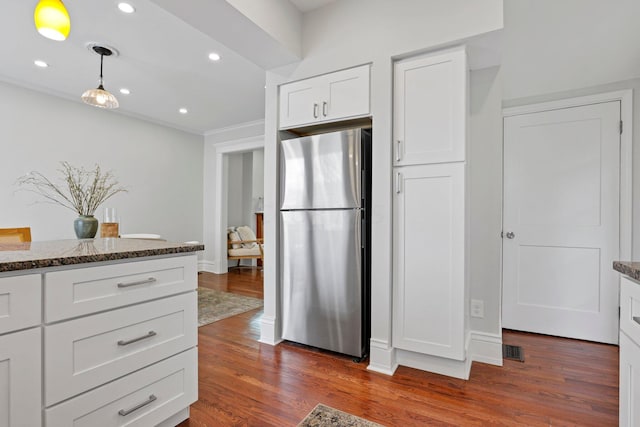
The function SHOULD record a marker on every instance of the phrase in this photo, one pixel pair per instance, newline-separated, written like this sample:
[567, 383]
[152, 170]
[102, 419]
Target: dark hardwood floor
[562, 382]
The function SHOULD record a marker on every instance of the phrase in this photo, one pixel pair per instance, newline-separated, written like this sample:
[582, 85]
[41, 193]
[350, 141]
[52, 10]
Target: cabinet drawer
[630, 308]
[20, 302]
[158, 392]
[74, 293]
[84, 353]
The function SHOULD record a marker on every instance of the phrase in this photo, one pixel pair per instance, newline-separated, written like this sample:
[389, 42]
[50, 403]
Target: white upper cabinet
[327, 98]
[430, 108]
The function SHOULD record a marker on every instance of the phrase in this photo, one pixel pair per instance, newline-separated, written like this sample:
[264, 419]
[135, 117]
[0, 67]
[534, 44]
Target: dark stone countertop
[628, 268]
[55, 253]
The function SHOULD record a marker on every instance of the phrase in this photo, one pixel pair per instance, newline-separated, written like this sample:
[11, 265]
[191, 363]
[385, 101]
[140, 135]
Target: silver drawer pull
[125, 412]
[144, 337]
[137, 282]
[637, 319]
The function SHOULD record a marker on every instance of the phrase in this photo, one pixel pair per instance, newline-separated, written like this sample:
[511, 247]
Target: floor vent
[513, 352]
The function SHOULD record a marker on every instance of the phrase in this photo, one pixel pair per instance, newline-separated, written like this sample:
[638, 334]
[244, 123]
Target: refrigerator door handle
[398, 179]
[398, 150]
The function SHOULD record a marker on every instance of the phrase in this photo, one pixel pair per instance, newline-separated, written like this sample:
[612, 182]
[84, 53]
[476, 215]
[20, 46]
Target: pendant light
[99, 97]
[52, 19]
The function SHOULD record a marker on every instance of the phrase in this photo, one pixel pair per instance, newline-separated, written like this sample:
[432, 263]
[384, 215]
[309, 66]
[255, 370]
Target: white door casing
[562, 204]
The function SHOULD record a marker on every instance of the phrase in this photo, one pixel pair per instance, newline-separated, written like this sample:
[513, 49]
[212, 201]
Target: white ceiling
[162, 60]
[308, 5]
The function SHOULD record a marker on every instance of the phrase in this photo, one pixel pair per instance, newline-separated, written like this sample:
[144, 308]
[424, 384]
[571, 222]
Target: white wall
[485, 182]
[353, 32]
[161, 167]
[235, 187]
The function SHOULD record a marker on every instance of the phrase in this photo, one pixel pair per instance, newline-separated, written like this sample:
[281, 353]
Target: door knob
[510, 235]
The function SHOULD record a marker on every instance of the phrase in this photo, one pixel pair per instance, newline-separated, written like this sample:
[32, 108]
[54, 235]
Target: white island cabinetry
[629, 352]
[117, 343]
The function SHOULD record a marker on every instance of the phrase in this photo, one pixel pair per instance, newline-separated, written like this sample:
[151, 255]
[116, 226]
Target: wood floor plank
[242, 382]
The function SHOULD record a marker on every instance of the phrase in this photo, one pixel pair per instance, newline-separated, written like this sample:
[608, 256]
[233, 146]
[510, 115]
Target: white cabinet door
[346, 94]
[20, 379]
[330, 97]
[429, 260]
[299, 103]
[430, 108]
[629, 382]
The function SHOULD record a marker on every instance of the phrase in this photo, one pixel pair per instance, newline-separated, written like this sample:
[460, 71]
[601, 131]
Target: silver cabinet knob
[510, 235]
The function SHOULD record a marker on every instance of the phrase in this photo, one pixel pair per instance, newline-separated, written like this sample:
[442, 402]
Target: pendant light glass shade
[52, 20]
[99, 97]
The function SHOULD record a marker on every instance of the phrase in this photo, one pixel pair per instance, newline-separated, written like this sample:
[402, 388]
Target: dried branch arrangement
[79, 189]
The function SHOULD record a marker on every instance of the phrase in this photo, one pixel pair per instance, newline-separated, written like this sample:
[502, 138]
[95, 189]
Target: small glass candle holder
[110, 223]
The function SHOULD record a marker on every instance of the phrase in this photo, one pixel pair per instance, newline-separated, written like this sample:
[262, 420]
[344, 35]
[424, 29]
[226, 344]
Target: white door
[561, 222]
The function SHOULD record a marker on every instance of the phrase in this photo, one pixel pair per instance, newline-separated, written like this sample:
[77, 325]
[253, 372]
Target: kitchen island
[97, 332]
[629, 342]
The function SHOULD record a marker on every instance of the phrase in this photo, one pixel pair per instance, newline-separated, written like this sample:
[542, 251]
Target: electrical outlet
[477, 308]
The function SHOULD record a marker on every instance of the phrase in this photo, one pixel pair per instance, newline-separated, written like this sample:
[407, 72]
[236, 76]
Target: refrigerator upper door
[321, 171]
[321, 279]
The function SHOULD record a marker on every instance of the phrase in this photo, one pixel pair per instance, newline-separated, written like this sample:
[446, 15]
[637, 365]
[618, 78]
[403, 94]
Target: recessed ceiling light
[126, 8]
[183, 111]
[125, 91]
[40, 63]
[214, 56]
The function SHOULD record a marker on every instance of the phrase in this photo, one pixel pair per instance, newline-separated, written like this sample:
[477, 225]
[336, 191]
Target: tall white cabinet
[430, 244]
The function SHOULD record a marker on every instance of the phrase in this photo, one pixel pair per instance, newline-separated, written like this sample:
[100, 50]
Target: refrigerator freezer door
[321, 279]
[321, 171]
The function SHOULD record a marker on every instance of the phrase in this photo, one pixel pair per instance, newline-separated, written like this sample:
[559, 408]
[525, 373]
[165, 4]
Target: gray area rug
[325, 416]
[217, 305]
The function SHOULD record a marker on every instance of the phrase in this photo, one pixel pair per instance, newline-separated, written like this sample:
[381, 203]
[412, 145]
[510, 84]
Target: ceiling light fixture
[52, 19]
[214, 56]
[125, 91]
[126, 8]
[40, 63]
[99, 97]
[183, 111]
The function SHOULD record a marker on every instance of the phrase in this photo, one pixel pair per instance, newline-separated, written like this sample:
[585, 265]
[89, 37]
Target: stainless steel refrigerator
[324, 235]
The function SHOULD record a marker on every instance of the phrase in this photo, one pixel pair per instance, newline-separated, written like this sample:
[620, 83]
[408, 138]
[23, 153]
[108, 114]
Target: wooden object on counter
[109, 229]
[15, 235]
[259, 231]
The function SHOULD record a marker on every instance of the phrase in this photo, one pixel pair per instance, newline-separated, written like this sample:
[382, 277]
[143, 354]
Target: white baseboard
[268, 332]
[176, 418]
[486, 348]
[208, 266]
[438, 365]
[381, 357]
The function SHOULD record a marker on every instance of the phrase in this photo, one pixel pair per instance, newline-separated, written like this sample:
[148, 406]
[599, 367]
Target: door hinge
[621, 127]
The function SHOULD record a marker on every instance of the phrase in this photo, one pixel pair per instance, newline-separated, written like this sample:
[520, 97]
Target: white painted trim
[176, 418]
[626, 152]
[268, 330]
[439, 365]
[208, 266]
[486, 348]
[381, 357]
[220, 214]
[234, 127]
